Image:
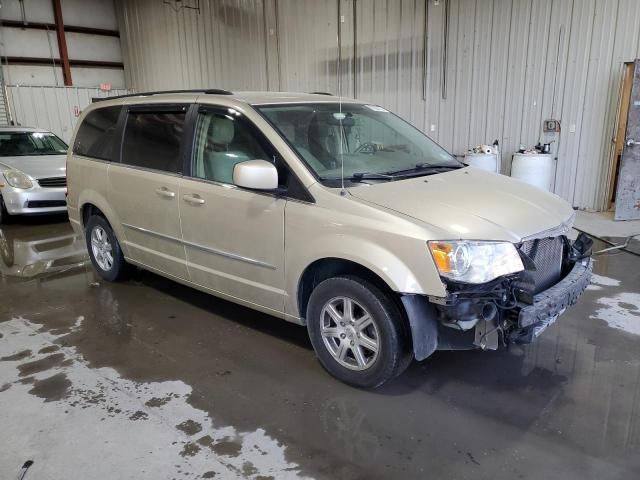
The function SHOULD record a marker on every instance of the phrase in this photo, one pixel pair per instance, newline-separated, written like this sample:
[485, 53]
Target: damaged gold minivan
[337, 215]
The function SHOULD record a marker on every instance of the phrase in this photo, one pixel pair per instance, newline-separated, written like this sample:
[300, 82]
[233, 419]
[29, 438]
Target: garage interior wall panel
[42, 44]
[28, 43]
[510, 65]
[595, 100]
[432, 75]
[308, 51]
[11, 9]
[166, 47]
[52, 108]
[99, 14]
[480, 74]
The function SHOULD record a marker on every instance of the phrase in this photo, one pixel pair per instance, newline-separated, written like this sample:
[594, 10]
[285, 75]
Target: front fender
[406, 270]
[396, 273]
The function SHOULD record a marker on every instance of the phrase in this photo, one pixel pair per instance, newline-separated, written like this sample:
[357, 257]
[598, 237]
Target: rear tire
[357, 332]
[104, 250]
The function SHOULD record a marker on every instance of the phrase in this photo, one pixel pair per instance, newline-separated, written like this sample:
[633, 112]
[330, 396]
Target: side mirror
[255, 175]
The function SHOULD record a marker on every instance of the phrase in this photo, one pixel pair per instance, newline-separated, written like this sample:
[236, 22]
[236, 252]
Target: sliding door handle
[165, 193]
[193, 199]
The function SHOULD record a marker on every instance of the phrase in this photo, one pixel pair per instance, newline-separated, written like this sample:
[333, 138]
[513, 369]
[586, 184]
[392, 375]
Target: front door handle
[165, 193]
[632, 143]
[193, 199]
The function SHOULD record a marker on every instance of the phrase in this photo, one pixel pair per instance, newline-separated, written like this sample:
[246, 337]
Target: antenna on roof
[340, 116]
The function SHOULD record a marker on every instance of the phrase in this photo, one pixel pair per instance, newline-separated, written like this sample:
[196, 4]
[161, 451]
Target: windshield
[372, 142]
[17, 144]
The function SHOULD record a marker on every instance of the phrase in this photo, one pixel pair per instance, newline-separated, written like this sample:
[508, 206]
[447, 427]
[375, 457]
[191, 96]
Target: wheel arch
[97, 205]
[328, 267]
[93, 203]
[88, 210]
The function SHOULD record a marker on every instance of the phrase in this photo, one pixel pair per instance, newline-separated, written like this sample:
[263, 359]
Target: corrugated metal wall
[509, 64]
[53, 108]
[22, 40]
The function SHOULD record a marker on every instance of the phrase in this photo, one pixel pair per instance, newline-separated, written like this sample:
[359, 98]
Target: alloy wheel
[350, 333]
[102, 248]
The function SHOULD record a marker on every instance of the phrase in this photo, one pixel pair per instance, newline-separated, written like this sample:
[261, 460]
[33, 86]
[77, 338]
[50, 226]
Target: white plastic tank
[484, 161]
[534, 169]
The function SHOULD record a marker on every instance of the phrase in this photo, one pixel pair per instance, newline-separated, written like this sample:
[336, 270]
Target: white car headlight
[475, 262]
[17, 179]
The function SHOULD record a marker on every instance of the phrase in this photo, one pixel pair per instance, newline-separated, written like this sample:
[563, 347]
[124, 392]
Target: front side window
[152, 139]
[367, 140]
[97, 136]
[21, 144]
[223, 139]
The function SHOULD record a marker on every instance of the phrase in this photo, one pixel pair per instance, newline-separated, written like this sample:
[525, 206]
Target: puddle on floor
[148, 426]
[621, 311]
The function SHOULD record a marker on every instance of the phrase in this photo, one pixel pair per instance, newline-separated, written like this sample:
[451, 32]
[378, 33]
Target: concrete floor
[602, 224]
[151, 380]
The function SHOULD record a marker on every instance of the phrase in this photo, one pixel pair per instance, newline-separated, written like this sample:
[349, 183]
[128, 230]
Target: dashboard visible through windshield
[369, 142]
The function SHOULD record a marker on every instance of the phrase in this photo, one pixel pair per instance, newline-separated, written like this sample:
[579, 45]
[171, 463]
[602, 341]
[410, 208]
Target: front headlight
[475, 262]
[17, 179]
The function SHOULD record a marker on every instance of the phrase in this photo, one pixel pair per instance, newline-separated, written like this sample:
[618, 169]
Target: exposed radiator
[547, 254]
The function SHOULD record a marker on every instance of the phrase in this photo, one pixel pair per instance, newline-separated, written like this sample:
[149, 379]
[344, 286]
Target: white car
[33, 177]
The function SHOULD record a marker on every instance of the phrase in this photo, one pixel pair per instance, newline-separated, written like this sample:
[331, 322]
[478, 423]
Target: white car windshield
[373, 143]
[17, 144]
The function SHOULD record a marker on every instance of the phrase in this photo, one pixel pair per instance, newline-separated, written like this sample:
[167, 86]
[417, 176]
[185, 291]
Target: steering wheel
[368, 147]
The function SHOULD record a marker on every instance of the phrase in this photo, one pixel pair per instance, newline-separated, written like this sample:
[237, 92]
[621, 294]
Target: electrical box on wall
[551, 126]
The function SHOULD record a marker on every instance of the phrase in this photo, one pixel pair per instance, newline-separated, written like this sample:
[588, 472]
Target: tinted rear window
[152, 140]
[97, 136]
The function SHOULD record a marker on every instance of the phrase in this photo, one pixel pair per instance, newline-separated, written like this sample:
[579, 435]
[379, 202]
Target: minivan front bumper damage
[491, 315]
[556, 299]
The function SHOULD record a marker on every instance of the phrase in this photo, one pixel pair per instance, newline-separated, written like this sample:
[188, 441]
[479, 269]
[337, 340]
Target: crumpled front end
[512, 309]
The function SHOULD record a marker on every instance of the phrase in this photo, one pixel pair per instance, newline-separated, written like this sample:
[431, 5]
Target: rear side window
[98, 135]
[152, 140]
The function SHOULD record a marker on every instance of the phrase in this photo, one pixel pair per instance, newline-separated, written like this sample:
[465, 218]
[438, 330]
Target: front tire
[6, 250]
[4, 214]
[104, 250]
[357, 332]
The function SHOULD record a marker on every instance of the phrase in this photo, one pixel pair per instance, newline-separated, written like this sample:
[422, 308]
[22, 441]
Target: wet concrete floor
[150, 379]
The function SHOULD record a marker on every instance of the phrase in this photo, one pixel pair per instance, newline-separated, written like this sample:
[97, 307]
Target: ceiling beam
[46, 61]
[67, 28]
[62, 42]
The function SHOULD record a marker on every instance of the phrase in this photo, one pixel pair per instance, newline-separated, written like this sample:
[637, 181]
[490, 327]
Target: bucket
[537, 170]
[483, 161]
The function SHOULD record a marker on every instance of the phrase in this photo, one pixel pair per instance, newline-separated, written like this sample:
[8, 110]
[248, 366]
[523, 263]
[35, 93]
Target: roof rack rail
[323, 93]
[208, 91]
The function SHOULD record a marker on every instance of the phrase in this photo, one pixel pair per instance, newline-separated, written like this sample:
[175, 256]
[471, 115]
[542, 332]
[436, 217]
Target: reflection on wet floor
[567, 406]
[39, 246]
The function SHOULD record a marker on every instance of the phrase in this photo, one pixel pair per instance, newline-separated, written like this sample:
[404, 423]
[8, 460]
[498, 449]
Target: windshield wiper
[393, 175]
[370, 176]
[420, 167]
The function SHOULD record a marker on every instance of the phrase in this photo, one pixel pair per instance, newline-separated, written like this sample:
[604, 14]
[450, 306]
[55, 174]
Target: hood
[37, 166]
[471, 204]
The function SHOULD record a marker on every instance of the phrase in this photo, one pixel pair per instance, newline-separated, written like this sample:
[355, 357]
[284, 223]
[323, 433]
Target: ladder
[5, 112]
